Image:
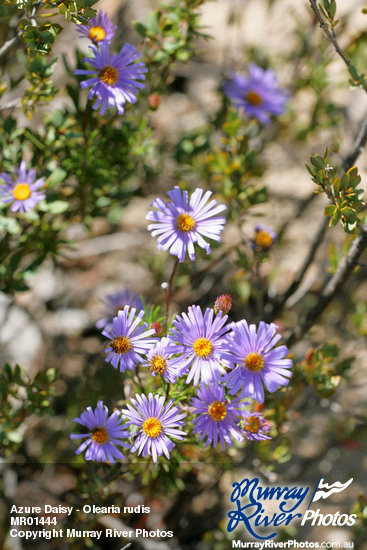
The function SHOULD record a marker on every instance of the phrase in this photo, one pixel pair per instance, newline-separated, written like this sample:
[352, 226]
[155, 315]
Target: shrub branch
[348, 163]
[329, 31]
[333, 287]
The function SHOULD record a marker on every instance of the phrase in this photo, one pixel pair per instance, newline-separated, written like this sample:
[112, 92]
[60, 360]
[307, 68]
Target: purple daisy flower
[129, 339]
[264, 238]
[116, 302]
[254, 426]
[258, 94]
[217, 417]
[100, 28]
[160, 361]
[258, 362]
[181, 223]
[200, 340]
[114, 78]
[103, 436]
[157, 424]
[22, 191]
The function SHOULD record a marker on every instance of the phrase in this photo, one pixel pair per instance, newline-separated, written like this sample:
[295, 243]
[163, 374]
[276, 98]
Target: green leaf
[140, 28]
[355, 181]
[318, 162]
[336, 185]
[55, 207]
[51, 375]
[330, 210]
[335, 219]
[15, 437]
[353, 72]
[58, 175]
[29, 35]
[9, 225]
[332, 9]
[349, 214]
[23, 23]
[309, 169]
[344, 182]
[47, 36]
[330, 350]
[151, 23]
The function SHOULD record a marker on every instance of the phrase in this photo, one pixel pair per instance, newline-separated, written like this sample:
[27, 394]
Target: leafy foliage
[21, 396]
[347, 199]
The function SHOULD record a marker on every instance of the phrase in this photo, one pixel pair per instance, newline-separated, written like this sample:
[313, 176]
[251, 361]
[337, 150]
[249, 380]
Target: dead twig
[333, 287]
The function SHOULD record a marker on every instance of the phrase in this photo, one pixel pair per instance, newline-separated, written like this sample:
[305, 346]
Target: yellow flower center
[203, 347]
[254, 361]
[108, 75]
[254, 98]
[21, 191]
[217, 411]
[121, 344]
[158, 364]
[263, 239]
[185, 223]
[97, 34]
[100, 435]
[252, 424]
[152, 427]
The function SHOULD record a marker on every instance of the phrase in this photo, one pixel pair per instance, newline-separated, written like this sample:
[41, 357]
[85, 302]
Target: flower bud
[158, 328]
[154, 101]
[223, 303]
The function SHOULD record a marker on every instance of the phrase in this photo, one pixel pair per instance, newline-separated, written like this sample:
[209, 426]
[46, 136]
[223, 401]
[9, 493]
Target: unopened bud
[223, 303]
[154, 101]
[157, 327]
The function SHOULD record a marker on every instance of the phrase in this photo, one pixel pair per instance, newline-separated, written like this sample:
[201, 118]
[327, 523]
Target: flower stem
[140, 383]
[167, 391]
[168, 291]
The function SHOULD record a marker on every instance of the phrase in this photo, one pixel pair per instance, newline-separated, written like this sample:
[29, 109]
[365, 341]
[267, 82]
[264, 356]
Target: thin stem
[84, 182]
[329, 33]
[258, 285]
[168, 292]
[360, 142]
[348, 163]
[140, 383]
[315, 244]
[216, 261]
[302, 206]
[333, 287]
[167, 391]
[7, 45]
[11, 104]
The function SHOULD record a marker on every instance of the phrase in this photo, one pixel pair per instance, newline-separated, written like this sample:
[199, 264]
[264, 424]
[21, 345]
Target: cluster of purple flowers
[113, 79]
[155, 424]
[217, 356]
[203, 347]
[228, 363]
